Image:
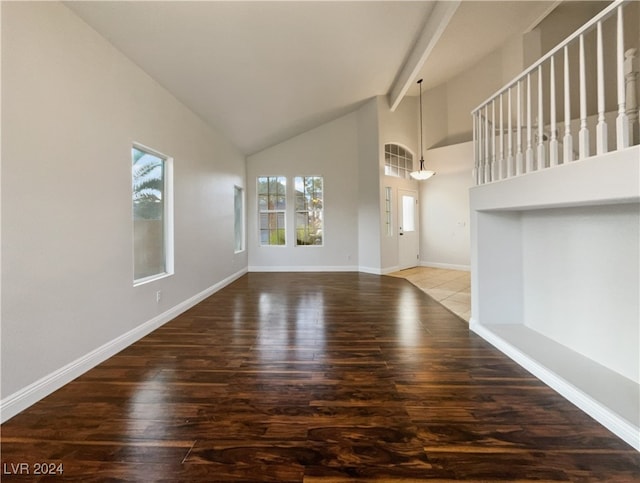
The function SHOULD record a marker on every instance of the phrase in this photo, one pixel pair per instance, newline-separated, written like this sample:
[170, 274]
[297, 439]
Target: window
[152, 247]
[387, 210]
[398, 161]
[309, 210]
[408, 213]
[272, 205]
[238, 218]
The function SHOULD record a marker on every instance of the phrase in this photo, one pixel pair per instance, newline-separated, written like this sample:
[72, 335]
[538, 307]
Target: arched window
[398, 161]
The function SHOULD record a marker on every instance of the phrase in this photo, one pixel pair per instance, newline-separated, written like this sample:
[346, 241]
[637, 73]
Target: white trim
[375, 271]
[388, 270]
[167, 224]
[385, 152]
[29, 395]
[284, 212]
[303, 268]
[448, 266]
[296, 211]
[345, 268]
[609, 419]
[169, 248]
[151, 278]
[243, 220]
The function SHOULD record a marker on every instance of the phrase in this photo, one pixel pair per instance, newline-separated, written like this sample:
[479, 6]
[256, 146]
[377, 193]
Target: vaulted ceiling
[261, 72]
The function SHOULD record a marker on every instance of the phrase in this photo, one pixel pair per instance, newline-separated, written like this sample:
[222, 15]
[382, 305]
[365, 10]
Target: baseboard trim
[609, 419]
[303, 268]
[371, 270]
[348, 268]
[388, 270]
[448, 266]
[29, 395]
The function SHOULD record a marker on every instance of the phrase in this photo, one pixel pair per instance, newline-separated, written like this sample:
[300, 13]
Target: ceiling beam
[434, 26]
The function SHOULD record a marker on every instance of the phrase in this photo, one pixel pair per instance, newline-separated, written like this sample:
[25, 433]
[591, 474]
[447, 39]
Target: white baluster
[509, 137]
[567, 140]
[631, 77]
[474, 171]
[583, 135]
[529, 155]
[487, 160]
[480, 151]
[541, 158]
[601, 128]
[501, 170]
[494, 167]
[519, 160]
[622, 121]
[553, 143]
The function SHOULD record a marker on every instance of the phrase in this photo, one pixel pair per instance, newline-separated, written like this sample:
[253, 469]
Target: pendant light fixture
[421, 173]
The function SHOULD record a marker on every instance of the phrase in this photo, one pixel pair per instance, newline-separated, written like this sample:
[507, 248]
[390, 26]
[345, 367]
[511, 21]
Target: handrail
[584, 29]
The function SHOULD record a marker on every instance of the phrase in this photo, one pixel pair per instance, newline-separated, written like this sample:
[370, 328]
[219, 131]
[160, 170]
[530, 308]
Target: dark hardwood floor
[314, 378]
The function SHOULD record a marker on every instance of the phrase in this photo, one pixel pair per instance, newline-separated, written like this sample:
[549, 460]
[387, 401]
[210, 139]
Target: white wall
[444, 208]
[330, 151]
[469, 89]
[581, 281]
[72, 106]
[348, 153]
[368, 181]
[447, 107]
[444, 214]
[435, 117]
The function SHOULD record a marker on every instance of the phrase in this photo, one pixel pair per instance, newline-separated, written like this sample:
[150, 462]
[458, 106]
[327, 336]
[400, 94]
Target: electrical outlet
[158, 295]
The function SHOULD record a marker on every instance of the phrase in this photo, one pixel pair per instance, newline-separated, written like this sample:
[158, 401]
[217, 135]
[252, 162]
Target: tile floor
[452, 288]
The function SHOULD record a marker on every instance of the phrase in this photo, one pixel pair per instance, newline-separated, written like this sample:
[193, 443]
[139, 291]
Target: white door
[408, 230]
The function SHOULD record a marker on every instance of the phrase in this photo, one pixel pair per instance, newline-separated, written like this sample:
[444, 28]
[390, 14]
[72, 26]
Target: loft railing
[518, 130]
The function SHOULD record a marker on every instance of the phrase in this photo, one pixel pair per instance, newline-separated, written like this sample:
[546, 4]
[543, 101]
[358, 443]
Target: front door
[408, 241]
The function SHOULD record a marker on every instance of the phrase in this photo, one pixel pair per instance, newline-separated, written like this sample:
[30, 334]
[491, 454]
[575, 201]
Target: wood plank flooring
[322, 377]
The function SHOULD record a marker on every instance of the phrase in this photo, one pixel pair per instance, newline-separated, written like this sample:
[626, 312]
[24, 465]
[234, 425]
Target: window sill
[152, 278]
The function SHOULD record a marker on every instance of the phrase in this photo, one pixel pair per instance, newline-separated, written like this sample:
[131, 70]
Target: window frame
[239, 223]
[283, 211]
[308, 211]
[404, 160]
[167, 215]
[388, 207]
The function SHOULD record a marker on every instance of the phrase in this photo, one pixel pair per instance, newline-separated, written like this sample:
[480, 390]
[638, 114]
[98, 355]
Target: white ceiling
[262, 72]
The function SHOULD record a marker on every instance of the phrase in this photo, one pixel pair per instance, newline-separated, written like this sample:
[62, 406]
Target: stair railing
[515, 134]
